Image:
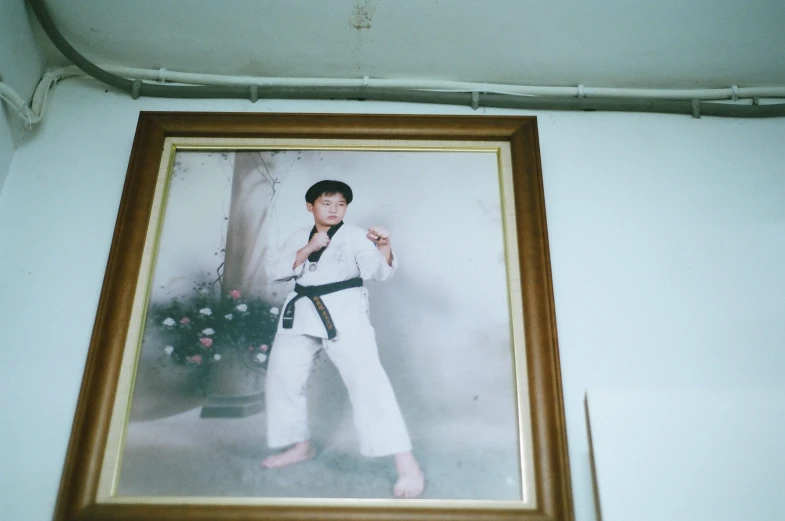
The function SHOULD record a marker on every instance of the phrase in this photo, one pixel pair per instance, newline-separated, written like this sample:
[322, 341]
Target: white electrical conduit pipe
[186, 78]
[33, 113]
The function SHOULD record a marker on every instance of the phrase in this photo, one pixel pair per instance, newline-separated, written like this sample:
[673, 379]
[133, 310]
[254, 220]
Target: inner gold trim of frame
[112, 460]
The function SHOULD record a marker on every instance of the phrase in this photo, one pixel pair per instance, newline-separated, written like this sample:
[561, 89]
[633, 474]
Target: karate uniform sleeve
[372, 263]
[280, 267]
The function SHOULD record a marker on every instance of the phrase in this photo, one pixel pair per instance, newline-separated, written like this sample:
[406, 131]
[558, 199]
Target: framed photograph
[324, 316]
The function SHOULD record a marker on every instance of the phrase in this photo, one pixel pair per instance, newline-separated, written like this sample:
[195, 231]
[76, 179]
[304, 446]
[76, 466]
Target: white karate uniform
[377, 416]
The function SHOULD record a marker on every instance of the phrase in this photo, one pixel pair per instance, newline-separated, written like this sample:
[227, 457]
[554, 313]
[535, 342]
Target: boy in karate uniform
[328, 309]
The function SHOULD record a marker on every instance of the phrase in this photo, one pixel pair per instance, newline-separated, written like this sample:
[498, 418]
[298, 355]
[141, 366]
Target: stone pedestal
[232, 406]
[235, 388]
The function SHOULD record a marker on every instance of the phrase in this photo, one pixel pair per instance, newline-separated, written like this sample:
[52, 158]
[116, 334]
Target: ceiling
[603, 43]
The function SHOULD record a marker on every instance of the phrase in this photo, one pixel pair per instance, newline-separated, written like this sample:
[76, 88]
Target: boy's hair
[328, 187]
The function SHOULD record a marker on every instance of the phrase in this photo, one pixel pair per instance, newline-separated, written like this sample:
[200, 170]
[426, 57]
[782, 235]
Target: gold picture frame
[541, 489]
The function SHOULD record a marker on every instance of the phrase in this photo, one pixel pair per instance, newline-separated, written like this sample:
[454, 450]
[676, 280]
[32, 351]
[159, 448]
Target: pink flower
[185, 321]
[263, 348]
[197, 359]
[250, 348]
[234, 294]
[206, 342]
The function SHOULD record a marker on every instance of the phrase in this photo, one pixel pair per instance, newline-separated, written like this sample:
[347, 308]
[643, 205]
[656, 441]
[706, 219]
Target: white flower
[261, 357]
[228, 317]
[216, 357]
[206, 311]
[204, 291]
[169, 322]
[209, 331]
[168, 350]
[242, 308]
[274, 311]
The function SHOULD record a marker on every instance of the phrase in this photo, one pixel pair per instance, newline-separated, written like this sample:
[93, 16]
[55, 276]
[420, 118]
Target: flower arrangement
[202, 330]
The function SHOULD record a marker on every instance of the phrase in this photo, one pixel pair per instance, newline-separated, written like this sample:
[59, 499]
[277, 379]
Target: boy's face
[328, 210]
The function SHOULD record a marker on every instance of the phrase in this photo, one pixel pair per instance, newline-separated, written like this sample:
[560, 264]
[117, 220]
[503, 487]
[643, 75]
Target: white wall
[724, 458]
[667, 245]
[21, 66]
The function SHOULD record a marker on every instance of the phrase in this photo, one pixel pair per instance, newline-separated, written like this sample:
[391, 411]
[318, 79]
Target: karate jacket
[350, 254]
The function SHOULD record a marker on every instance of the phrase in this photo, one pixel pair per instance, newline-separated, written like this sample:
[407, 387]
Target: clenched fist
[379, 235]
[318, 241]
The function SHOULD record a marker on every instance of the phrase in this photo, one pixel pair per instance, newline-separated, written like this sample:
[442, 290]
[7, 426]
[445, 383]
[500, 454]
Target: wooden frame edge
[76, 496]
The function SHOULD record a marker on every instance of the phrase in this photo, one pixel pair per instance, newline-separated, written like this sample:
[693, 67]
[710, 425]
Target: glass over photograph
[329, 323]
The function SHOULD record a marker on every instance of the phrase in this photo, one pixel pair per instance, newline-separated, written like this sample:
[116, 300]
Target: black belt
[314, 293]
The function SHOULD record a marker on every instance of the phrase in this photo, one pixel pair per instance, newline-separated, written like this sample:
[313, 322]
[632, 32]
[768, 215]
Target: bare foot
[298, 452]
[411, 480]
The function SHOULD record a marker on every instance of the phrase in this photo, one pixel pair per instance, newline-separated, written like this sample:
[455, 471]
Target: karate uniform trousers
[377, 417]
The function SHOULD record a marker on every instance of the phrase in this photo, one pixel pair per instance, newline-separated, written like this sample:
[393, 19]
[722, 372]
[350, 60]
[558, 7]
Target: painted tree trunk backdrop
[257, 177]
